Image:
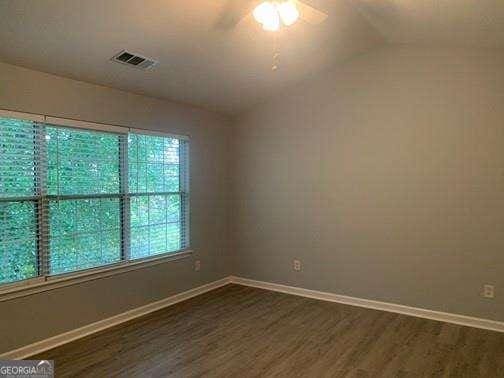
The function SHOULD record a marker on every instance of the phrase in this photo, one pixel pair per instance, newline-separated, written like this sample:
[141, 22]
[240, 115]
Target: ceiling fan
[271, 14]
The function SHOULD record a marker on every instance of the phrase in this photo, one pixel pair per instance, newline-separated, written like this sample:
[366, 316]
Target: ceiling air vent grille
[134, 60]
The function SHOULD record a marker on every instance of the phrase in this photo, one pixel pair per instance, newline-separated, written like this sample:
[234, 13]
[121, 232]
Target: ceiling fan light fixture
[270, 14]
[272, 22]
[288, 12]
[264, 12]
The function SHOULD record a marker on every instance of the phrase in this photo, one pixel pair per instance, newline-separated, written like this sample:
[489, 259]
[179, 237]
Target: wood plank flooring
[238, 331]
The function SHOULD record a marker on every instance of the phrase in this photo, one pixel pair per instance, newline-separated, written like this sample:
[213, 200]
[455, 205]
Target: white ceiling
[225, 71]
[462, 23]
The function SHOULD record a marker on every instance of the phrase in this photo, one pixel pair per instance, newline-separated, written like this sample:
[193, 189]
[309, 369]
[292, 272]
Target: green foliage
[82, 162]
[17, 158]
[84, 233]
[18, 259]
[18, 249]
[153, 164]
[155, 225]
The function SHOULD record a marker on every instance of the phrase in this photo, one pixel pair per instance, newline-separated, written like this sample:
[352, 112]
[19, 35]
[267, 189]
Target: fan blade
[309, 14]
[233, 12]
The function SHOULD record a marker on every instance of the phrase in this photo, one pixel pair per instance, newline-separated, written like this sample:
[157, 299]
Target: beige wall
[32, 318]
[385, 178]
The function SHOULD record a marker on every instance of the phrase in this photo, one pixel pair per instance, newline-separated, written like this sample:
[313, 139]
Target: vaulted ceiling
[224, 70]
[461, 23]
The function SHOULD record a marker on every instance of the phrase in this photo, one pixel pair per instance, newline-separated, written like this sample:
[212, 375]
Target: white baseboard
[89, 329]
[52, 342]
[376, 305]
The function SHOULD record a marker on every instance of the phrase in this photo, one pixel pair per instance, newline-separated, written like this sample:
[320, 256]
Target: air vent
[134, 60]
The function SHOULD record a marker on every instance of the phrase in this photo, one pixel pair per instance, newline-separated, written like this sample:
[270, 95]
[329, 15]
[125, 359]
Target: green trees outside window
[18, 217]
[73, 199]
[154, 164]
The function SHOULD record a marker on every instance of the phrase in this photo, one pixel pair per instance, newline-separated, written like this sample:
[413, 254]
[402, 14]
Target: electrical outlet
[296, 265]
[197, 265]
[488, 291]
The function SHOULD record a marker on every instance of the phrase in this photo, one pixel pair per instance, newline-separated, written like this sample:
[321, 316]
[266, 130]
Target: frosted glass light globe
[288, 12]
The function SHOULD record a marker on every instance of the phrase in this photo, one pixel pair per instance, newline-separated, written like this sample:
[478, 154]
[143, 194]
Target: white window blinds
[158, 194]
[19, 189]
[84, 199]
[74, 199]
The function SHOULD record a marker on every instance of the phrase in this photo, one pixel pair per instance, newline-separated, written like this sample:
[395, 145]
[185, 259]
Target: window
[73, 198]
[157, 195]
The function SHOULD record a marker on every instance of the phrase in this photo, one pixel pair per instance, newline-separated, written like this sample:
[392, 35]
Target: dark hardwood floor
[237, 331]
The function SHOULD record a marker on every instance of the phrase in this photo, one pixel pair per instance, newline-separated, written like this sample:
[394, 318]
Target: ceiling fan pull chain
[276, 54]
[276, 59]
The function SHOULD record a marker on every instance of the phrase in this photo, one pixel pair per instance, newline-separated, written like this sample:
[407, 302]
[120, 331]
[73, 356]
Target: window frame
[47, 281]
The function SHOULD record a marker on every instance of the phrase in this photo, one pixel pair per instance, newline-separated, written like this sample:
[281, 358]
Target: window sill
[41, 284]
